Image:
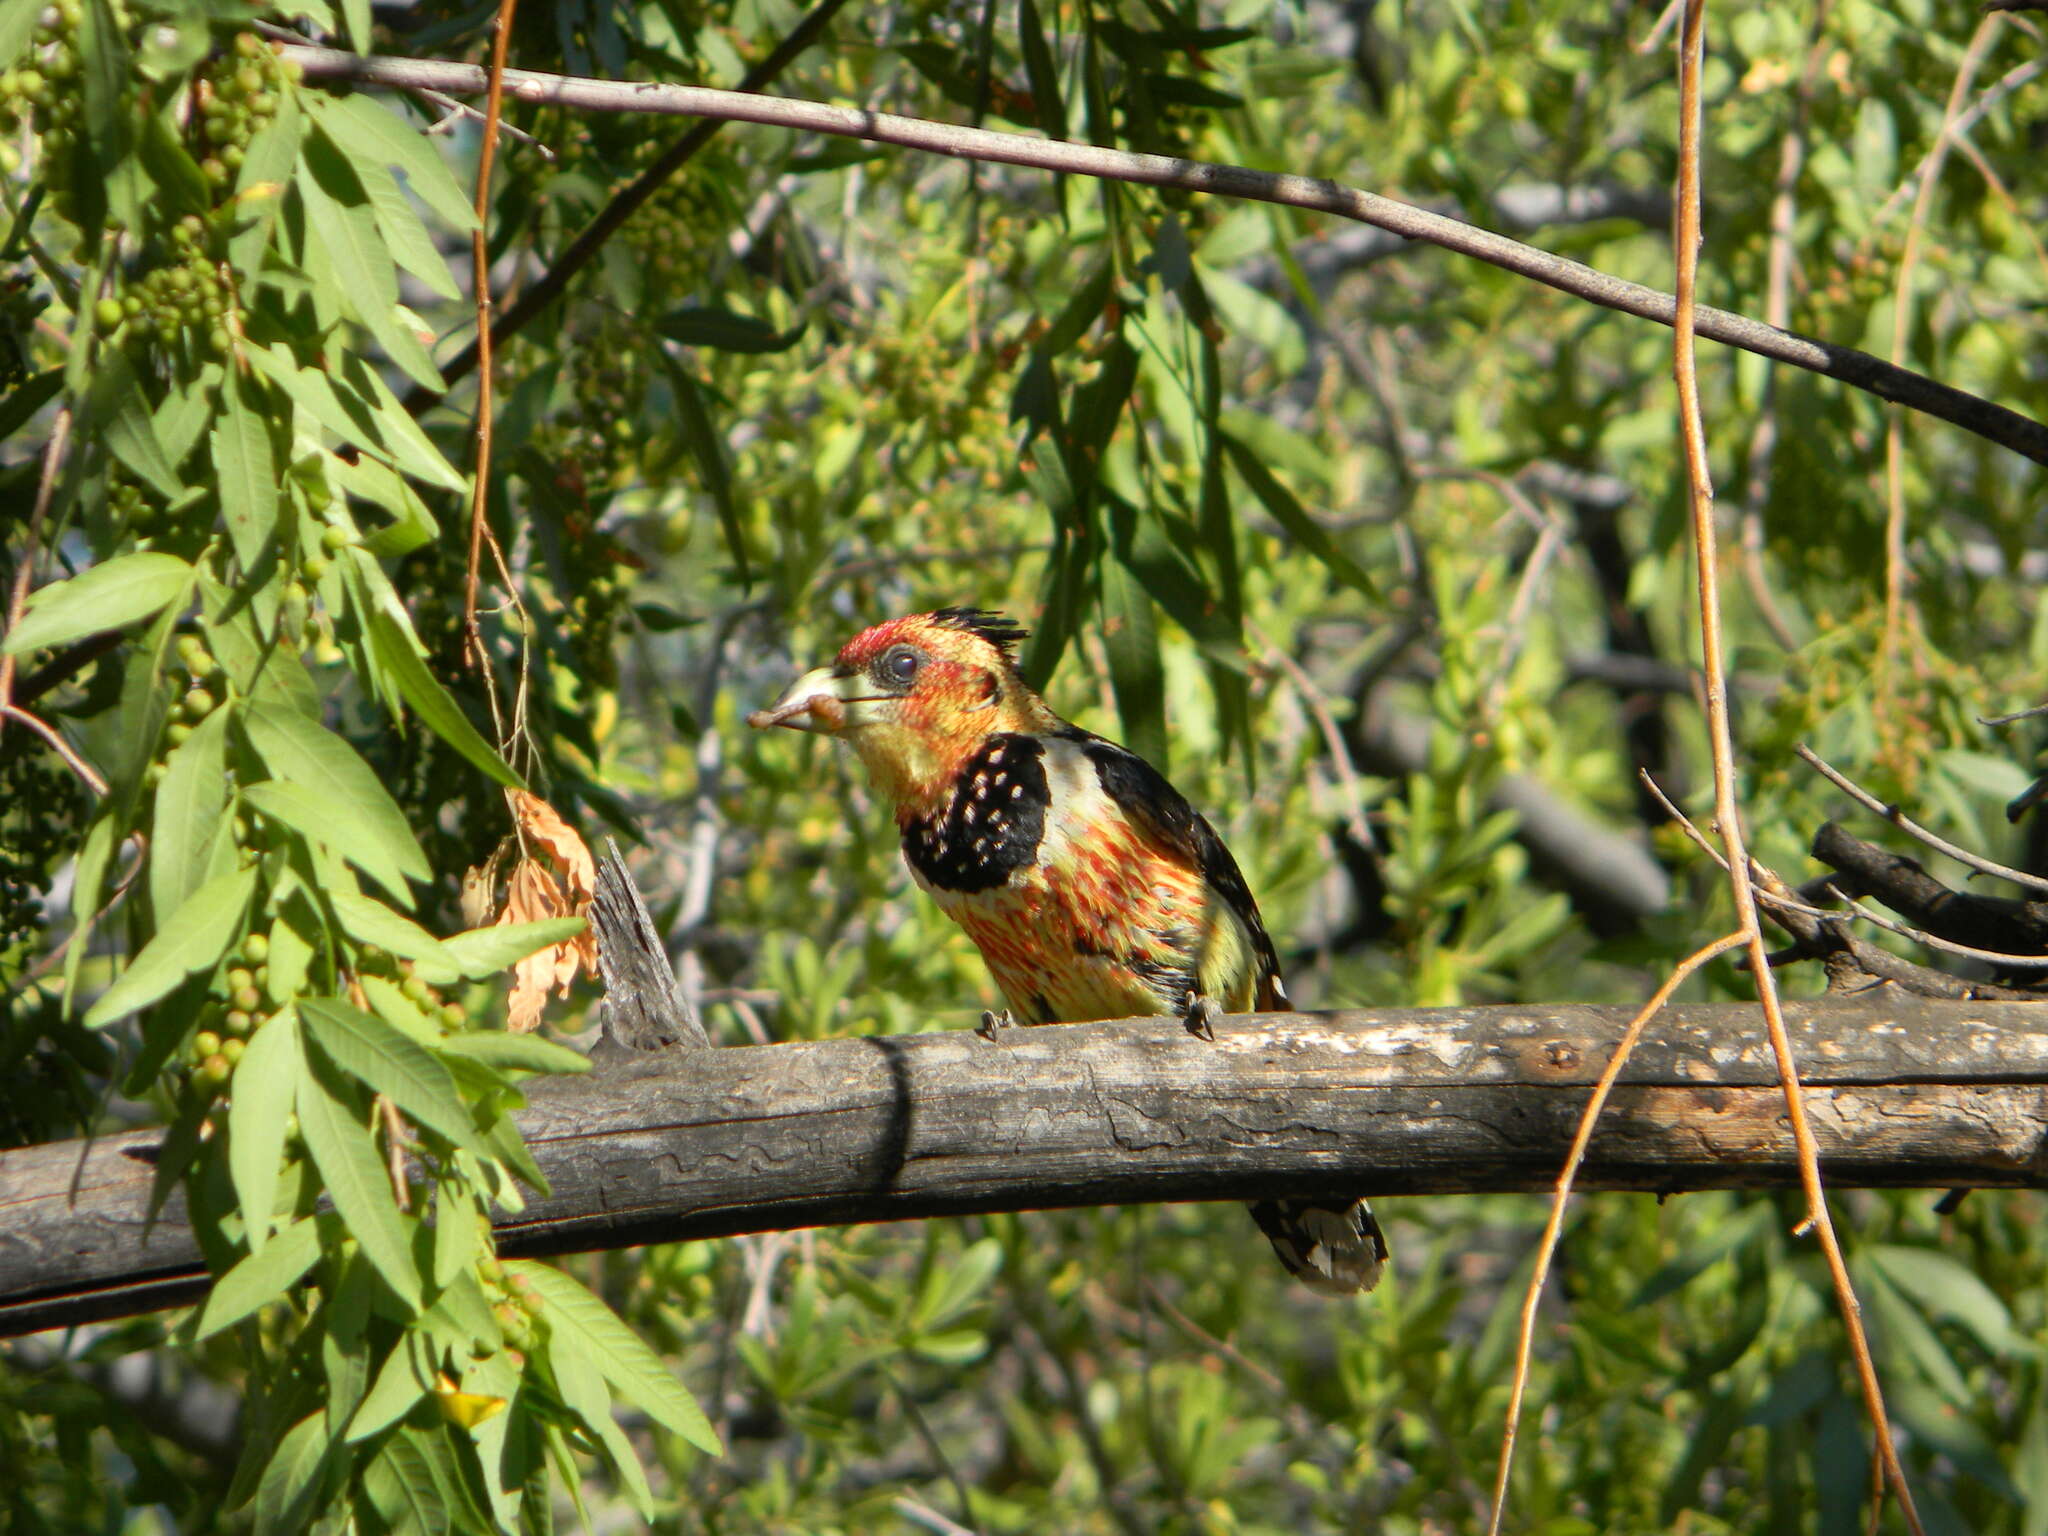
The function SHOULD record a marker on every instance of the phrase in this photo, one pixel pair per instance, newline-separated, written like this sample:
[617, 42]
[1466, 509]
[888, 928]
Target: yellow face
[914, 697]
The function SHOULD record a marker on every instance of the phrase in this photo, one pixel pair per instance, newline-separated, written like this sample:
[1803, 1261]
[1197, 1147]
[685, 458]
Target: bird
[1092, 888]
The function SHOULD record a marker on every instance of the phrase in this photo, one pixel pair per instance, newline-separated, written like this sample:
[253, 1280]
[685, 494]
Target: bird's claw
[992, 1021]
[1201, 1016]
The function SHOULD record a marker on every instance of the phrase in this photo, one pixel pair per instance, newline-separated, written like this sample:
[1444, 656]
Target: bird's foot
[991, 1022]
[1201, 1016]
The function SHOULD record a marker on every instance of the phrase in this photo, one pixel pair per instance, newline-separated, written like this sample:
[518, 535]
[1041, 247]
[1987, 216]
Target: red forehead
[870, 643]
[940, 641]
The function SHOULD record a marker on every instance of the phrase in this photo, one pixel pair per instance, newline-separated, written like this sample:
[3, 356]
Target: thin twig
[395, 1139]
[459, 110]
[480, 260]
[1935, 941]
[1998, 424]
[1546, 1245]
[1317, 703]
[1727, 813]
[1912, 828]
[59, 745]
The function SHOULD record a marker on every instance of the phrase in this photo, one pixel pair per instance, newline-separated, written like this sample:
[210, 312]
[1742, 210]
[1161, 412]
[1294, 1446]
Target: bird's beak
[819, 701]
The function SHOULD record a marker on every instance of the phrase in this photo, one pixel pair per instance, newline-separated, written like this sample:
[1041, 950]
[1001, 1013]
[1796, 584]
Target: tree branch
[2008, 428]
[691, 1144]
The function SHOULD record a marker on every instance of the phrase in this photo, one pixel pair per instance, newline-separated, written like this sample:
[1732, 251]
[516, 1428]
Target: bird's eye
[901, 664]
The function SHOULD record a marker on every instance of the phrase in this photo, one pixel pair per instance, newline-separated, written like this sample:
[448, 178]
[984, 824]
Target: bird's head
[916, 697]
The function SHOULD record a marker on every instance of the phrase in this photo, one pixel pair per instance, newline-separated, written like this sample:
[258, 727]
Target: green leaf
[356, 805]
[292, 1479]
[246, 472]
[1946, 1289]
[400, 1482]
[1280, 504]
[28, 397]
[190, 803]
[17, 26]
[1131, 638]
[482, 953]
[192, 939]
[121, 415]
[579, 1321]
[708, 449]
[392, 1064]
[263, 1276]
[363, 126]
[111, 595]
[374, 923]
[260, 184]
[316, 820]
[399, 655]
[259, 1114]
[345, 1153]
[583, 1394]
[356, 417]
[401, 1382]
[1041, 72]
[516, 1053]
[340, 218]
[699, 326]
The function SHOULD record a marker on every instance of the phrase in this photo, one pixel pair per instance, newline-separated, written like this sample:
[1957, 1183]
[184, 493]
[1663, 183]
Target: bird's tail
[1331, 1245]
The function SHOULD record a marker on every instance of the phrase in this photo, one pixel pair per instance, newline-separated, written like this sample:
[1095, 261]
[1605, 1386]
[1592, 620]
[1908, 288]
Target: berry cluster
[240, 1006]
[50, 88]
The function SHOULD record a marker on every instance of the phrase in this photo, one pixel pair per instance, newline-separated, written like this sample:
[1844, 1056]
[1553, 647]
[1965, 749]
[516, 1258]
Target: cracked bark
[686, 1144]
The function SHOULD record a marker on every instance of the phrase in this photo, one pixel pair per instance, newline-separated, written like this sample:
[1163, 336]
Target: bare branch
[1859, 369]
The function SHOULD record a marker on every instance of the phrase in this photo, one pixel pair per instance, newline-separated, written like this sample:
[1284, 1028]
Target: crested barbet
[1092, 888]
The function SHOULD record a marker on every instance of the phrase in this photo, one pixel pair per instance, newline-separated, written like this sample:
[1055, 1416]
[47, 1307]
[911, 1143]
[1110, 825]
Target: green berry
[315, 567]
[109, 313]
[239, 978]
[239, 1022]
[333, 539]
[256, 948]
[231, 1052]
[205, 1043]
[248, 999]
[197, 705]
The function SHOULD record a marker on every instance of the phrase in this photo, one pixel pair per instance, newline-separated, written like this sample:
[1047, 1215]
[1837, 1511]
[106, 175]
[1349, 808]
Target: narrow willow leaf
[456, 1242]
[1947, 1289]
[111, 595]
[390, 1063]
[321, 764]
[340, 218]
[121, 416]
[516, 1053]
[436, 707]
[31, 395]
[1131, 638]
[726, 331]
[191, 939]
[259, 185]
[345, 1153]
[190, 802]
[259, 1114]
[318, 822]
[482, 953]
[1041, 72]
[708, 449]
[365, 125]
[404, 1490]
[1289, 513]
[374, 923]
[583, 1394]
[401, 1382]
[580, 1321]
[291, 1481]
[246, 471]
[263, 1276]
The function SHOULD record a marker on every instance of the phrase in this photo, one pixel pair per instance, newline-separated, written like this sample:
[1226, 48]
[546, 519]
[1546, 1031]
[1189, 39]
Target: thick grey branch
[1995, 422]
[690, 1144]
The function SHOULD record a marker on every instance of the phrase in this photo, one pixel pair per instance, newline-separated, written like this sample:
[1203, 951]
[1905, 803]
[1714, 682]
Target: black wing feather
[1148, 800]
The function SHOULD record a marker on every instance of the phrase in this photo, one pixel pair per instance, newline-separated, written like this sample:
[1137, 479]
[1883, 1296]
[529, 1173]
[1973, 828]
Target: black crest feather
[999, 630]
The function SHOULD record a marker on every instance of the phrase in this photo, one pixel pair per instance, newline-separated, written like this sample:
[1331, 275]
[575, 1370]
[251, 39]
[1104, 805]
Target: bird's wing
[1162, 814]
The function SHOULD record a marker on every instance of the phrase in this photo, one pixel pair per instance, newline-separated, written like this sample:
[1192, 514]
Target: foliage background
[814, 384]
